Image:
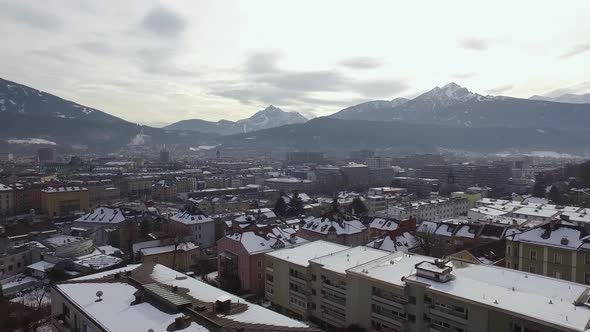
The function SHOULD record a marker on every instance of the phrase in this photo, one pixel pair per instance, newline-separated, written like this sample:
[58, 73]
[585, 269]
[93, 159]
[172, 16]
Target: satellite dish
[99, 295]
[151, 330]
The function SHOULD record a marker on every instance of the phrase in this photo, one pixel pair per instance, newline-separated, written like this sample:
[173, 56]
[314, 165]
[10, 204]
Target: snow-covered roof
[545, 299]
[41, 266]
[403, 242]
[184, 246]
[324, 225]
[391, 268]
[488, 211]
[286, 180]
[563, 237]
[63, 189]
[427, 227]
[103, 215]
[98, 262]
[254, 244]
[62, 240]
[206, 293]
[536, 212]
[4, 187]
[109, 250]
[468, 230]
[341, 261]
[302, 254]
[190, 219]
[383, 224]
[116, 300]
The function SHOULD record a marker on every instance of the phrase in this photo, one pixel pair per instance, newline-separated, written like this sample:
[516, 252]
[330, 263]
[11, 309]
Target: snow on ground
[30, 141]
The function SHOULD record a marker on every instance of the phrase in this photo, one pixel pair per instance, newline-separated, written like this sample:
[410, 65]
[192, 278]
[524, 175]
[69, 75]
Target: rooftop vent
[565, 241]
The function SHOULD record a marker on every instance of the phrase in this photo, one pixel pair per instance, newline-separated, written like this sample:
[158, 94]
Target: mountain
[357, 112]
[29, 117]
[335, 136]
[566, 98]
[454, 105]
[20, 99]
[270, 117]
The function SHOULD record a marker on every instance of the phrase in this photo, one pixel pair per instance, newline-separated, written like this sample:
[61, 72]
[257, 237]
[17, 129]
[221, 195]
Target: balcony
[389, 302]
[335, 302]
[270, 269]
[297, 280]
[299, 293]
[452, 315]
[334, 288]
[336, 319]
[395, 320]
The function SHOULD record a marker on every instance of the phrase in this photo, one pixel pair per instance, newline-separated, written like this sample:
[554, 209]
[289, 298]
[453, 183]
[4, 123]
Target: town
[299, 242]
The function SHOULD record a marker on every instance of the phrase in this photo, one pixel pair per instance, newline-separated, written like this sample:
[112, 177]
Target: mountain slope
[454, 105]
[358, 112]
[20, 99]
[270, 117]
[28, 115]
[327, 134]
[566, 98]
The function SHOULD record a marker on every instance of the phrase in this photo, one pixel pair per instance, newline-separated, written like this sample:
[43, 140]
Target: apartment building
[334, 228]
[194, 225]
[287, 276]
[555, 249]
[181, 256]
[379, 291]
[431, 210]
[62, 201]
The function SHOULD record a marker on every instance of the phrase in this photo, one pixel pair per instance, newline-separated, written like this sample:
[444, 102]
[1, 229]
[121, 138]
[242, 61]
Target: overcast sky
[158, 62]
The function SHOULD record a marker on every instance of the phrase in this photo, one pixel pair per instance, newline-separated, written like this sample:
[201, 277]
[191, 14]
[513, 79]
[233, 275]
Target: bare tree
[426, 240]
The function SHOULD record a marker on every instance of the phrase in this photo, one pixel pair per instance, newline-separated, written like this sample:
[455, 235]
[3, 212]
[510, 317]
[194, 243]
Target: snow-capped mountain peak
[449, 94]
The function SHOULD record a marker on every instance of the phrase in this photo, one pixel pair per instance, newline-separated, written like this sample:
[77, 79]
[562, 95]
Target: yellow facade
[63, 201]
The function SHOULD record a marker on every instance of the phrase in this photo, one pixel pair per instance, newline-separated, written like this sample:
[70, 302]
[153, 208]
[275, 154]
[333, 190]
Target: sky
[158, 62]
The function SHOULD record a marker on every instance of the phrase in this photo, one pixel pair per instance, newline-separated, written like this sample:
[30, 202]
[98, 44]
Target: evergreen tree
[358, 207]
[539, 187]
[295, 205]
[280, 207]
[555, 195]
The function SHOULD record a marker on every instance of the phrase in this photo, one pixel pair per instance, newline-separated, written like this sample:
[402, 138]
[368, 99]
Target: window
[557, 258]
[259, 276]
[557, 275]
[587, 259]
[532, 269]
[508, 250]
[508, 265]
[587, 278]
[259, 264]
[533, 255]
[516, 250]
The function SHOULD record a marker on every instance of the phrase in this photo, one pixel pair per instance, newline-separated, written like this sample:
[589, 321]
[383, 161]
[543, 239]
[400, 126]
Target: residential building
[334, 228]
[157, 298]
[555, 249]
[241, 255]
[288, 278]
[62, 201]
[6, 200]
[195, 226]
[104, 225]
[431, 210]
[290, 184]
[181, 256]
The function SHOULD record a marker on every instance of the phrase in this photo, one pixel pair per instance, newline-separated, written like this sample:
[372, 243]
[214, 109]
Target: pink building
[241, 256]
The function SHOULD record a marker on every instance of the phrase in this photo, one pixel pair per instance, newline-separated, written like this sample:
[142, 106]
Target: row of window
[557, 258]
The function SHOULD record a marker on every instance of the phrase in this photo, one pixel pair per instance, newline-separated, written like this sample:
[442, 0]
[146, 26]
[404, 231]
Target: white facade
[430, 210]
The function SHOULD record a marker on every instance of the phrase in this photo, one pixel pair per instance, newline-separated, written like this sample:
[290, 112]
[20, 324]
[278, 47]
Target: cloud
[96, 48]
[464, 75]
[500, 89]
[164, 22]
[475, 44]
[576, 49]
[262, 81]
[161, 61]
[262, 63]
[36, 18]
[361, 63]
[381, 88]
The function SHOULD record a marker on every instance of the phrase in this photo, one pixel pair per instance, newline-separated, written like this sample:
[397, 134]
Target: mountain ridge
[269, 117]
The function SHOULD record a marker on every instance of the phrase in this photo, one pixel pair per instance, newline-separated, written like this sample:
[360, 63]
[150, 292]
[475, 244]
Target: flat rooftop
[301, 255]
[341, 261]
[545, 299]
[391, 268]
